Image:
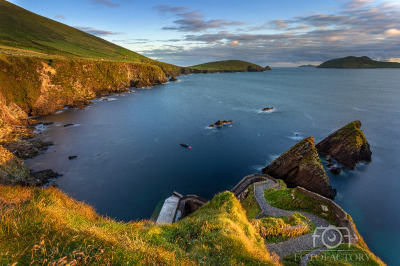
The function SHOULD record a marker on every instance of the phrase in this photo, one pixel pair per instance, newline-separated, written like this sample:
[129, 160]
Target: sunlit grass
[47, 227]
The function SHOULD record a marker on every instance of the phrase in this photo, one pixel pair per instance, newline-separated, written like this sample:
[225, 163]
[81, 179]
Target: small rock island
[221, 122]
[268, 109]
[347, 145]
[301, 166]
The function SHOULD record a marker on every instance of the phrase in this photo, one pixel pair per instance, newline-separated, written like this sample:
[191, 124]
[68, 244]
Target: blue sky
[275, 33]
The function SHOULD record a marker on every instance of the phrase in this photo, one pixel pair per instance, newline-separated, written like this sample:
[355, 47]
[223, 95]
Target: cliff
[347, 145]
[40, 86]
[301, 166]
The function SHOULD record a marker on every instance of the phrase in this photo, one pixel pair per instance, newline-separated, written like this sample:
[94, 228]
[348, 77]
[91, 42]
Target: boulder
[335, 170]
[347, 145]
[301, 166]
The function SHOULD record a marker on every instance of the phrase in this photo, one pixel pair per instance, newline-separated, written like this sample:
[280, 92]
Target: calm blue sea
[129, 157]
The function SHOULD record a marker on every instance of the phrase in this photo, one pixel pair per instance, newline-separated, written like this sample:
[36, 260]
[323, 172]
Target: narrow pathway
[307, 257]
[296, 244]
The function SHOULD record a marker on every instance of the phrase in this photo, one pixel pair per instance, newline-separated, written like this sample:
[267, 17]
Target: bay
[129, 157]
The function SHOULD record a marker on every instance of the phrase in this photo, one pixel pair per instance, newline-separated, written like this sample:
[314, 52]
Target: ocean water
[129, 157]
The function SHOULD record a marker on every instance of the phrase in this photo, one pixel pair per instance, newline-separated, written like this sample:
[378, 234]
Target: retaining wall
[345, 225]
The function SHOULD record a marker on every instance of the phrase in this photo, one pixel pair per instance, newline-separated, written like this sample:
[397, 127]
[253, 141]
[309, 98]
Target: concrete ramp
[168, 211]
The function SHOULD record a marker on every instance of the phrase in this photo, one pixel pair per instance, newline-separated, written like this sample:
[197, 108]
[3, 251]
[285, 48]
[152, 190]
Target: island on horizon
[357, 62]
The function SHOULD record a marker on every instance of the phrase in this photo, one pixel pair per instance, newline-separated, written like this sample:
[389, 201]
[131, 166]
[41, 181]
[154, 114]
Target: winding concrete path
[296, 244]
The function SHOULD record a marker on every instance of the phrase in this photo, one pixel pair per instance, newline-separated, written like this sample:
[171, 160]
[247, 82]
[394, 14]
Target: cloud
[356, 28]
[106, 2]
[392, 32]
[97, 32]
[171, 9]
[193, 21]
[60, 16]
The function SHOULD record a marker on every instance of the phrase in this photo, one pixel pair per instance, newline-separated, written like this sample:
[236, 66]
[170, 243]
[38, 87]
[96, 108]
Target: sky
[274, 33]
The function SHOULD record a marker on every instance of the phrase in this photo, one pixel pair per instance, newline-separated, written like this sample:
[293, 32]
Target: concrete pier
[168, 211]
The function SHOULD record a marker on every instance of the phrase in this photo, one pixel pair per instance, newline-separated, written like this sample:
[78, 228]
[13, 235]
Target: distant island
[357, 62]
[308, 66]
[229, 66]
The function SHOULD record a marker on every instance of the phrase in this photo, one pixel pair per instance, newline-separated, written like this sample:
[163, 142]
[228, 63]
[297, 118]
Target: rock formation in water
[220, 123]
[347, 145]
[301, 166]
[268, 109]
[173, 79]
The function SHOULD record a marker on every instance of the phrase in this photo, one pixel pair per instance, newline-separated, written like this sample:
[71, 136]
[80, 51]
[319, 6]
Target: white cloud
[392, 32]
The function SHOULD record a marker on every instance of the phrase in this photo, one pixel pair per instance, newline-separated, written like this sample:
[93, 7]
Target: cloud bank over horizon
[357, 27]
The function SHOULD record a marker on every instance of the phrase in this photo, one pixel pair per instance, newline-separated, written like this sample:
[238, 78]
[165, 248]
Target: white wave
[257, 167]
[359, 109]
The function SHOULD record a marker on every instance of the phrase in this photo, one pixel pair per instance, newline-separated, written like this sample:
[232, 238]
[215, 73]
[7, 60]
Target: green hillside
[357, 62]
[229, 65]
[25, 33]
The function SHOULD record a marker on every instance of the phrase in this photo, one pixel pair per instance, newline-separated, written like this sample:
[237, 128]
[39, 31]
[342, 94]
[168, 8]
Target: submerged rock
[68, 125]
[301, 166]
[347, 145]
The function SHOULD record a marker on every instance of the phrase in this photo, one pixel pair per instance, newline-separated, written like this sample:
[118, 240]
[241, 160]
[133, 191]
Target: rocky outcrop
[301, 166]
[220, 123]
[268, 68]
[347, 145]
[173, 79]
[26, 149]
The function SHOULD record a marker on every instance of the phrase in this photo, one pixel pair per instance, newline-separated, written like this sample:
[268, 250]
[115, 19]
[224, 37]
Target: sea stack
[347, 145]
[301, 166]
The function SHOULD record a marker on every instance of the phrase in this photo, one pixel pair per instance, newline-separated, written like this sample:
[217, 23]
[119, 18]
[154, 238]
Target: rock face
[301, 166]
[347, 145]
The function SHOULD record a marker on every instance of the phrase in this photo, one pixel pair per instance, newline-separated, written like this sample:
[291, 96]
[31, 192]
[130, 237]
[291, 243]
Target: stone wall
[345, 225]
[187, 205]
[249, 180]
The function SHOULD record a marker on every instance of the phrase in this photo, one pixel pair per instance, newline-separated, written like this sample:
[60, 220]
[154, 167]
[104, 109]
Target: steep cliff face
[301, 166]
[43, 86]
[347, 145]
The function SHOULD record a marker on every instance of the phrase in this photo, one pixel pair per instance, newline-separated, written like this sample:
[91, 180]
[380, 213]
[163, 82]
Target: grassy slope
[25, 33]
[250, 204]
[357, 62]
[232, 65]
[40, 226]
